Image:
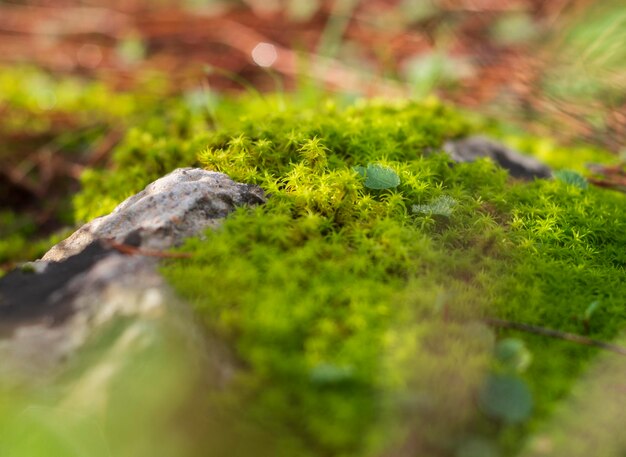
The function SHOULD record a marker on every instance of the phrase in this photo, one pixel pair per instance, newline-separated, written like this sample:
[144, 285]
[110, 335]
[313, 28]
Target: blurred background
[558, 62]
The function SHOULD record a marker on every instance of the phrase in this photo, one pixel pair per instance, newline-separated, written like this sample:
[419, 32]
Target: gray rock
[123, 374]
[40, 330]
[177, 206]
[109, 359]
[54, 307]
[475, 147]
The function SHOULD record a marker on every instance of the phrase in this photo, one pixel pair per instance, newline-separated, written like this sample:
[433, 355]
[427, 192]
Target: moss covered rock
[354, 298]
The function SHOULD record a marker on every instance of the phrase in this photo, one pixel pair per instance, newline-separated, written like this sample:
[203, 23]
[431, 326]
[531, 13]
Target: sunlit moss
[355, 317]
[333, 293]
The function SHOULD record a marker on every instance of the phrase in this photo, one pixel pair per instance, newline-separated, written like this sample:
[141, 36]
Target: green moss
[353, 310]
[16, 244]
[143, 156]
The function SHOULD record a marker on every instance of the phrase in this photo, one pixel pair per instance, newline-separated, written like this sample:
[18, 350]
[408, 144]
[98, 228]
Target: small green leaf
[377, 177]
[585, 316]
[591, 309]
[513, 354]
[571, 178]
[506, 398]
[441, 206]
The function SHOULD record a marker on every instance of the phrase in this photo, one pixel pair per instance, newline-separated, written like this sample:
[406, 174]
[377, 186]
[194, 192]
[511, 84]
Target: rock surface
[45, 317]
[109, 363]
[179, 205]
[51, 308]
[475, 147]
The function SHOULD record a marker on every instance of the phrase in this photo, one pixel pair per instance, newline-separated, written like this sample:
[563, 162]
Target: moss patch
[355, 311]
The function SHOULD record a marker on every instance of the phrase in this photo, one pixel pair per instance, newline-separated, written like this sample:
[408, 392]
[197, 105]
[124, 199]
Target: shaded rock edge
[518, 165]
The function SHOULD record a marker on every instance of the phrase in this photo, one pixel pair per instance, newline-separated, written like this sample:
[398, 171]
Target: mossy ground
[356, 318]
[348, 307]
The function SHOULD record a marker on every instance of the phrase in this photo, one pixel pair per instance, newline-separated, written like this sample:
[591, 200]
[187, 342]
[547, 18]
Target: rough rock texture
[45, 317]
[170, 209]
[475, 147]
[51, 308]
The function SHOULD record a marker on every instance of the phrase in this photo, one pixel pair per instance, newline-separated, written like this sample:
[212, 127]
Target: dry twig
[133, 250]
[555, 334]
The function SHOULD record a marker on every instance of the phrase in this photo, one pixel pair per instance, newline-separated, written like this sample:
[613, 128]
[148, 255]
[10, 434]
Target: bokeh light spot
[264, 54]
[89, 55]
